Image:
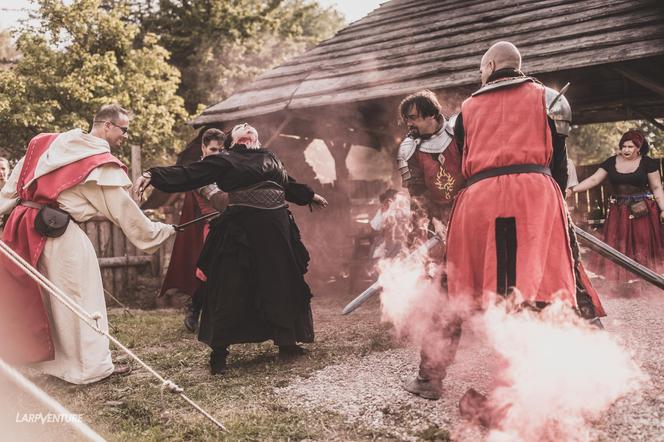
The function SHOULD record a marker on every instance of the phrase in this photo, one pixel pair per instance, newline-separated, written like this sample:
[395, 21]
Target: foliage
[218, 46]
[153, 57]
[78, 58]
[593, 143]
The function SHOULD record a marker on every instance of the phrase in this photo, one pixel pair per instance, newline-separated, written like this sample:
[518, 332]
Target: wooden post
[106, 250]
[92, 230]
[136, 170]
[119, 273]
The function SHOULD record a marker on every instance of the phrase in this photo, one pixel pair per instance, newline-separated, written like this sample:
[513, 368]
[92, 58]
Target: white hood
[67, 148]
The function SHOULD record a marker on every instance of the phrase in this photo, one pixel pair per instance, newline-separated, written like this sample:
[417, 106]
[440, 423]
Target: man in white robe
[82, 355]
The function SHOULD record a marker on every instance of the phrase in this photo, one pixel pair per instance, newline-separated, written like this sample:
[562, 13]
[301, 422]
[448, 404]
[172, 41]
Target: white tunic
[82, 355]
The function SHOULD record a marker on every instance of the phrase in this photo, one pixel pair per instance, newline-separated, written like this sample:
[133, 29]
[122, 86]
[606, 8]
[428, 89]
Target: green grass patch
[135, 407]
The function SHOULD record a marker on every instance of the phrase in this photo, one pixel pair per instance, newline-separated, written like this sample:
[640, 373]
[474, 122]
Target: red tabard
[442, 179]
[508, 126]
[25, 335]
[182, 271]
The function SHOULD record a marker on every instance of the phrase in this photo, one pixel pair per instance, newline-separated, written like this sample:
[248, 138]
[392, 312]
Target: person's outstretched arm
[592, 181]
[184, 178]
[302, 195]
[109, 196]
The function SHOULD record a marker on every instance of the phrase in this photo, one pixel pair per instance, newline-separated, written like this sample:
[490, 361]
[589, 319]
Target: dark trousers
[439, 347]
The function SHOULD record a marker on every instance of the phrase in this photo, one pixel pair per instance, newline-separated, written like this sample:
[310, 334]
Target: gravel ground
[368, 390]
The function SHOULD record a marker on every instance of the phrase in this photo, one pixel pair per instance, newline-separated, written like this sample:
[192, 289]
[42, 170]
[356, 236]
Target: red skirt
[639, 238]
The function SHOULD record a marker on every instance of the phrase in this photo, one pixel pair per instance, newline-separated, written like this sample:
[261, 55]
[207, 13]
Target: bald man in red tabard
[509, 226]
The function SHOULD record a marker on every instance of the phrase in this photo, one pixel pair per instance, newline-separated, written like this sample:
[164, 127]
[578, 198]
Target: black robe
[253, 258]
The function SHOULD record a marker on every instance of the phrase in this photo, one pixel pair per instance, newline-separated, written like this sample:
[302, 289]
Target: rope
[47, 400]
[85, 316]
[126, 309]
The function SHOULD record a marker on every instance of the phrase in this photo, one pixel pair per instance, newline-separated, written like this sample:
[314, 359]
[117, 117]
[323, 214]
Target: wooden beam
[125, 261]
[278, 130]
[640, 79]
[647, 116]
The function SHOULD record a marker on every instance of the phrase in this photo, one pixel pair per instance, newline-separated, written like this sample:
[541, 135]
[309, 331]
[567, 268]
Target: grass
[135, 408]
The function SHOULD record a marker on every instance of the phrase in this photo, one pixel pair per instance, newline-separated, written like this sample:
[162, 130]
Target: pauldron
[560, 112]
[497, 84]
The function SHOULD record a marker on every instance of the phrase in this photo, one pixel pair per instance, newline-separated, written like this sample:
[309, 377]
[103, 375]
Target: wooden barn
[346, 90]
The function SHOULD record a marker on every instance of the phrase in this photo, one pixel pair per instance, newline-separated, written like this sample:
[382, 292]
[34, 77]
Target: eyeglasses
[123, 129]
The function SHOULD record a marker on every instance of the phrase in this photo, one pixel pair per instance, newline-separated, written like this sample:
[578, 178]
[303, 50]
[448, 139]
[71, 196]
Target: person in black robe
[253, 256]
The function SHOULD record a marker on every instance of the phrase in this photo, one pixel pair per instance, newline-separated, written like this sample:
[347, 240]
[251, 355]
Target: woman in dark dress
[253, 257]
[633, 221]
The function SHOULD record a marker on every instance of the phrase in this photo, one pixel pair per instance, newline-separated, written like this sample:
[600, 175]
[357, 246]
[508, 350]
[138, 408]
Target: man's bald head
[501, 55]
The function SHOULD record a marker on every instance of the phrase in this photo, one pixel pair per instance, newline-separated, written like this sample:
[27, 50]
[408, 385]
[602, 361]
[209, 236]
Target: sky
[353, 9]
[13, 10]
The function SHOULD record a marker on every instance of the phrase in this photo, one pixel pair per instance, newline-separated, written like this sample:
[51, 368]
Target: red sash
[25, 335]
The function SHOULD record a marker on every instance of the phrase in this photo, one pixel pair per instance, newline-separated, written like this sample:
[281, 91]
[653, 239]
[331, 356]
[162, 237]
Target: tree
[80, 57]
[218, 45]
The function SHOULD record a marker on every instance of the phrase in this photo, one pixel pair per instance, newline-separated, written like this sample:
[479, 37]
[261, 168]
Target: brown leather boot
[427, 388]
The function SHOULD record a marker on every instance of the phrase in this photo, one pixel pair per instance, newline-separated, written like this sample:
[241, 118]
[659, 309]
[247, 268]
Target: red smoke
[558, 372]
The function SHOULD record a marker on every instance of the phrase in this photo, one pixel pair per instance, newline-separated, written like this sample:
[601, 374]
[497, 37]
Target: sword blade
[376, 287]
[621, 259]
[362, 298]
[560, 94]
[199, 219]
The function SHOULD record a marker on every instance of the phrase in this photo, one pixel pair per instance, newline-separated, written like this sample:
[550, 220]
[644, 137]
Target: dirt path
[367, 390]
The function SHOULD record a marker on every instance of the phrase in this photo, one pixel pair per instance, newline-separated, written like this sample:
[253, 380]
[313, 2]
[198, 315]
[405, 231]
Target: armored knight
[428, 158]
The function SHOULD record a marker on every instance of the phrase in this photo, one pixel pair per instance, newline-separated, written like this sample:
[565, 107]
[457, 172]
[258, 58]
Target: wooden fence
[121, 263]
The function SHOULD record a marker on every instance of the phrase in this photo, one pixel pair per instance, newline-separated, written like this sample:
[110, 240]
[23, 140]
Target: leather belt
[31, 204]
[264, 195]
[508, 170]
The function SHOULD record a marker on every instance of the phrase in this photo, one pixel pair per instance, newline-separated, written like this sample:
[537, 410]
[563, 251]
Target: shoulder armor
[406, 150]
[560, 112]
[451, 122]
[439, 141]
[501, 83]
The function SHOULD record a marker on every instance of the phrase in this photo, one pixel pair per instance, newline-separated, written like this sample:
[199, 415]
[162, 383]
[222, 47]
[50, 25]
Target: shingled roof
[611, 51]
